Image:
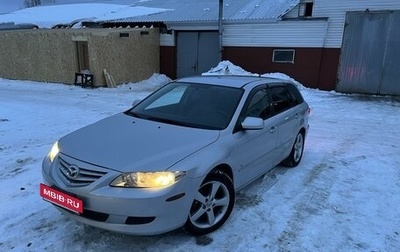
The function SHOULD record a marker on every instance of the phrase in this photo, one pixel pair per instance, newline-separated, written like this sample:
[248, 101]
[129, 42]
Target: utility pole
[220, 28]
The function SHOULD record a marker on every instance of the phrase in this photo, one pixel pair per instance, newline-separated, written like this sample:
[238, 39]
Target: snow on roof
[48, 16]
[207, 10]
[151, 11]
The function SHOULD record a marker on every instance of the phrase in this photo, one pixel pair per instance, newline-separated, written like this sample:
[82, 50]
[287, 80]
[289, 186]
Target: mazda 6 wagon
[176, 158]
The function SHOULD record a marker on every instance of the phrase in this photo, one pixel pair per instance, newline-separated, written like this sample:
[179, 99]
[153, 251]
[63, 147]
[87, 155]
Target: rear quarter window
[294, 91]
[283, 98]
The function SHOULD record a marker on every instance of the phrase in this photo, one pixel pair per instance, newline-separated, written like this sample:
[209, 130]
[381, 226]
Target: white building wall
[307, 33]
[336, 10]
[167, 39]
[294, 13]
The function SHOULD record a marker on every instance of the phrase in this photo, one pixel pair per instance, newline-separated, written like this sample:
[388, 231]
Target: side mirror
[253, 123]
[135, 102]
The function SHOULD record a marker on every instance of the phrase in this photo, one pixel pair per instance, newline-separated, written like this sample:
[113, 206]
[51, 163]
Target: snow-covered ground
[344, 195]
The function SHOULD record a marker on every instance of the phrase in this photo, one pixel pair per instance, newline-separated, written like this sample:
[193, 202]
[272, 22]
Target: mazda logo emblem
[72, 171]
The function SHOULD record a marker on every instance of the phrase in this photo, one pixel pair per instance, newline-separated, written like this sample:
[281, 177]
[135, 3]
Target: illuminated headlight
[147, 179]
[53, 152]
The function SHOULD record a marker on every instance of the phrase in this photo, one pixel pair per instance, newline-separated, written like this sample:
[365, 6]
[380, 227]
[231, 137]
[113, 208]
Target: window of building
[309, 9]
[306, 8]
[283, 55]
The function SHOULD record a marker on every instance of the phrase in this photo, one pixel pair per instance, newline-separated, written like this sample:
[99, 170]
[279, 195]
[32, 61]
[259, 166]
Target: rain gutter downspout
[220, 17]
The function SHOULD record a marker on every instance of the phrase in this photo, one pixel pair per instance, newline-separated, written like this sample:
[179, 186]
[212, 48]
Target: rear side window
[282, 99]
[296, 94]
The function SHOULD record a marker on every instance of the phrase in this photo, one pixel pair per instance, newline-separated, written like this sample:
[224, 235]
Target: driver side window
[259, 105]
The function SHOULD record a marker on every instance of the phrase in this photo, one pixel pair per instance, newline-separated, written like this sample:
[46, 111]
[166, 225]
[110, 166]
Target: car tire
[212, 205]
[296, 153]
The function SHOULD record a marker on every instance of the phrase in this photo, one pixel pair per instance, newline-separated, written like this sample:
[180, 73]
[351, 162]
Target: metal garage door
[197, 52]
[370, 56]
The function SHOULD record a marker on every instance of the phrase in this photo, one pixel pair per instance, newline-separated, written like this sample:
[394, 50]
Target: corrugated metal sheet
[371, 53]
[336, 10]
[391, 74]
[207, 10]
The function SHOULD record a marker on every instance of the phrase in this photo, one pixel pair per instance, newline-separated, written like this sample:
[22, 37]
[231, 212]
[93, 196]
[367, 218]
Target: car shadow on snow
[87, 238]
[251, 195]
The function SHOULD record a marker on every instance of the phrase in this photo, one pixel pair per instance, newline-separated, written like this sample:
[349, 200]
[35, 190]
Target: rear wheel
[296, 154]
[212, 205]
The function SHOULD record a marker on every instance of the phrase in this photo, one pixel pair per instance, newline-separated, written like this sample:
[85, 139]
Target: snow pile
[227, 68]
[154, 82]
[284, 77]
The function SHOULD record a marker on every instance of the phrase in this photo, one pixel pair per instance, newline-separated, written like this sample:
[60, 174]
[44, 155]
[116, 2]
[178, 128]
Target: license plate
[61, 199]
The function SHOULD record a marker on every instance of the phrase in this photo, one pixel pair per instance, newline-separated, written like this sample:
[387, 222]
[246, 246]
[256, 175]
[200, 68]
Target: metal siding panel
[336, 12]
[208, 51]
[361, 63]
[167, 39]
[391, 74]
[281, 34]
[350, 67]
[197, 52]
[187, 43]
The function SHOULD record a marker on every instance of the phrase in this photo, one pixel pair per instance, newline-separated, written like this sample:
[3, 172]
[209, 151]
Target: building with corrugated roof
[343, 45]
[306, 39]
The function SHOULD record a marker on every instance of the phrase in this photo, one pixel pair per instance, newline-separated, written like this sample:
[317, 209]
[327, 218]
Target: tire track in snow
[314, 199]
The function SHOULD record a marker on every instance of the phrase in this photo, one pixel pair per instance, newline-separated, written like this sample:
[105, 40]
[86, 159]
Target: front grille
[74, 175]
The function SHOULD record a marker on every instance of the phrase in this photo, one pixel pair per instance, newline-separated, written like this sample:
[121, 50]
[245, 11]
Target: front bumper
[125, 210]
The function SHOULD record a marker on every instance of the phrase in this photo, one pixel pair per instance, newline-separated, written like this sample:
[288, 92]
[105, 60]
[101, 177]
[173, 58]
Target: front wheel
[212, 205]
[296, 153]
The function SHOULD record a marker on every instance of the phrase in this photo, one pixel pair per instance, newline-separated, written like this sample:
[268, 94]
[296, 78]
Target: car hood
[126, 144]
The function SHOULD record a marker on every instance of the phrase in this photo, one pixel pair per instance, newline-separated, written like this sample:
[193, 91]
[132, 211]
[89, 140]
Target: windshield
[193, 105]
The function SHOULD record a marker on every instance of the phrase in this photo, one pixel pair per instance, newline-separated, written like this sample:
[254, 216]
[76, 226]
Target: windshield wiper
[168, 121]
[130, 113]
[158, 119]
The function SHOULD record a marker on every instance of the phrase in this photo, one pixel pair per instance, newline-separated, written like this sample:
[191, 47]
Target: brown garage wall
[168, 61]
[329, 69]
[313, 67]
[51, 55]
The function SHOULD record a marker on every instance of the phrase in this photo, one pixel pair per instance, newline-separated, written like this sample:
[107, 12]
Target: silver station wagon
[176, 158]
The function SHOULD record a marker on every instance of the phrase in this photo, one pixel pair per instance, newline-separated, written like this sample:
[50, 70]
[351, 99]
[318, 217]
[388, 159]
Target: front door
[255, 150]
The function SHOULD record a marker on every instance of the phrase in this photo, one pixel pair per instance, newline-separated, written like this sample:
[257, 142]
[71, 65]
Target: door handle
[295, 117]
[273, 129]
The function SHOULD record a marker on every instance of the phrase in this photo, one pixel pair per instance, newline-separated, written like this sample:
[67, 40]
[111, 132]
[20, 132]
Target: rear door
[287, 114]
